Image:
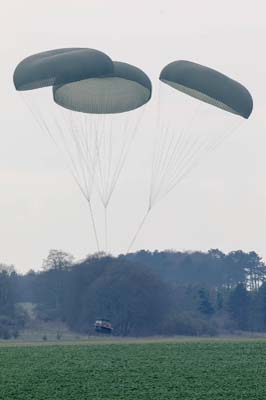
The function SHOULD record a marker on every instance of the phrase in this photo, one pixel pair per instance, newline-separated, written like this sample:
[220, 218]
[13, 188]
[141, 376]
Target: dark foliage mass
[143, 293]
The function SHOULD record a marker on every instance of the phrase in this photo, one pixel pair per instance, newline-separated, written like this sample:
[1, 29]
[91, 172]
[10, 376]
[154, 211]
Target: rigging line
[87, 165]
[88, 156]
[206, 148]
[68, 153]
[158, 175]
[185, 131]
[176, 166]
[188, 168]
[138, 230]
[110, 152]
[217, 136]
[91, 148]
[157, 130]
[64, 148]
[80, 130]
[44, 125]
[225, 137]
[81, 144]
[161, 149]
[37, 117]
[169, 138]
[61, 132]
[190, 162]
[101, 182]
[181, 150]
[157, 162]
[85, 192]
[91, 157]
[91, 212]
[185, 173]
[120, 158]
[84, 148]
[107, 155]
[94, 225]
[52, 137]
[161, 156]
[197, 154]
[131, 139]
[160, 153]
[158, 126]
[106, 228]
[177, 163]
[104, 146]
[102, 160]
[79, 155]
[99, 151]
[190, 155]
[169, 158]
[188, 132]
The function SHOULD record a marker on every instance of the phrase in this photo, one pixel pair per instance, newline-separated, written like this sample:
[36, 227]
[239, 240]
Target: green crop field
[164, 371]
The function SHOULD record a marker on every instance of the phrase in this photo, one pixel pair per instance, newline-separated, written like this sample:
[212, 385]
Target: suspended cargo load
[103, 326]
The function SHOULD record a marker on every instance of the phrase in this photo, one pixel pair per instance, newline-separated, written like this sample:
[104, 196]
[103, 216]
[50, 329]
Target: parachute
[208, 85]
[60, 66]
[189, 127]
[128, 88]
[98, 114]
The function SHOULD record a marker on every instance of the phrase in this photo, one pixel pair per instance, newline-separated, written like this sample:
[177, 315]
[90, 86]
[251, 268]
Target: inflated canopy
[60, 66]
[209, 86]
[127, 88]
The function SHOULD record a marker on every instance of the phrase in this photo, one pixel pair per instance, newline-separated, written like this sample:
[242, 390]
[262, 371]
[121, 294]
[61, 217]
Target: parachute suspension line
[84, 167]
[110, 163]
[45, 128]
[155, 142]
[192, 158]
[94, 225]
[69, 154]
[99, 146]
[125, 152]
[179, 165]
[88, 181]
[207, 148]
[182, 174]
[106, 228]
[89, 145]
[37, 116]
[225, 137]
[113, 178]
[138, 230]
[86, 194]
[178, 154]
[73, 169]
[174, 148]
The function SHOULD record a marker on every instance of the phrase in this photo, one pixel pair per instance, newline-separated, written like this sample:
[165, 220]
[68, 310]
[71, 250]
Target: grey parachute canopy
[209, 86]
[126, 89]
[60, 66]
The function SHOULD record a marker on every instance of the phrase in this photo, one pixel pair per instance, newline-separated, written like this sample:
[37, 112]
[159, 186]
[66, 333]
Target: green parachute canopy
[127, 88]
[60, 66]
[209, 86]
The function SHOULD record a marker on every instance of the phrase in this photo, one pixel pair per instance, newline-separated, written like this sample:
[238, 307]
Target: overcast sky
[222, 204]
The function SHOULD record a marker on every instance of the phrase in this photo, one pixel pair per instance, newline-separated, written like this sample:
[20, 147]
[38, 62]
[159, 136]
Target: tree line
[142, 293]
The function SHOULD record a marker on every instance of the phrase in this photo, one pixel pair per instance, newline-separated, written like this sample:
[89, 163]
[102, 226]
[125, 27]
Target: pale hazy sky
[221, 204]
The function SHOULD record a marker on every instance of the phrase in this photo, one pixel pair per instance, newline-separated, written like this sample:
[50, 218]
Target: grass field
[186, 369]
